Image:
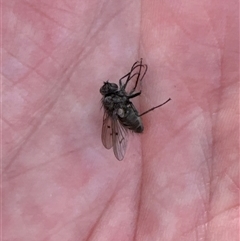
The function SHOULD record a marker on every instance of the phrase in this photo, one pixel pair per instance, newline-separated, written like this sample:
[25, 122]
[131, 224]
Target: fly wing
[115, 135]
[120, 139]
[107, 130]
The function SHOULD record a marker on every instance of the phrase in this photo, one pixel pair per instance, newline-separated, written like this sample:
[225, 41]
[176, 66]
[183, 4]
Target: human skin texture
[179, 180]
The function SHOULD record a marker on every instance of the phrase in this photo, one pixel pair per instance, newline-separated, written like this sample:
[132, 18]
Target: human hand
[178, 180]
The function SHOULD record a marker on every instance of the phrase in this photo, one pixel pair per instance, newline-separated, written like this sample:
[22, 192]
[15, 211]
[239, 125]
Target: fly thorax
[108, 102]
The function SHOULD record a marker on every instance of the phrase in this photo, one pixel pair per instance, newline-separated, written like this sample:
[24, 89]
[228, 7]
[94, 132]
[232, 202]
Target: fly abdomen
[130, 119]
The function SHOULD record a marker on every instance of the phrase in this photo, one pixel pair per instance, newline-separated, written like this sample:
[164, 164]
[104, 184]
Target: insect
[120, 114]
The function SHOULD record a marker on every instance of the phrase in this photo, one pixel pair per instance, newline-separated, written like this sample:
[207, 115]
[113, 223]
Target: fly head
[108, 88]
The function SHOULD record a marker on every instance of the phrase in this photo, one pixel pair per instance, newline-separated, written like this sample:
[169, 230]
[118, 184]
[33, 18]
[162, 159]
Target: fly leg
[155, 107]
[139, 77]
[134, 95]
[131, 75]
[128, 78]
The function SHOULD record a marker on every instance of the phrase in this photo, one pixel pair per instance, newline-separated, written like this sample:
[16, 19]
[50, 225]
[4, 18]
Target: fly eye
[113, 87]
[108, 88]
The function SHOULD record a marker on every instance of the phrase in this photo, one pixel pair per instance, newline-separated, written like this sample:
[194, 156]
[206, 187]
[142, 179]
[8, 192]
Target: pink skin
[178, 180]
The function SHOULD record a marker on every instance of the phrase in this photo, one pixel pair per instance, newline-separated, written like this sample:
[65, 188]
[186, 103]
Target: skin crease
[179, 179]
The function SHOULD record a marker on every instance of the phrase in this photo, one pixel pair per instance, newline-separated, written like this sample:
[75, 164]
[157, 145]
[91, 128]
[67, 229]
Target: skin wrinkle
[92, 34]
[139, 200]
[215, 216]
[49, 6]
[235, 184]
[28, 170]
[195, 226]
[208, 154]
[217, 42]
[227, 136]
[103, 212]
[8, 123]
[190, 92]
[34, 68]
[187, 33]
[46, 16]
[202, 222]
[206, 207]
[49, 161]
[77, 56]
[31, 69]
[211, 164]
[101, 216]
[155, 196]
[24, 64]
[218, 141]
[218, 47]
[194, 230]
[182, 27]
[222, 175]
[36, 122]
[68, 223]
[25, 140]
[74, 220]
[90, 37]
[100, 28]
[227, 210]
[45, 51]
[182, 77]
[180, 129]
[166, 187]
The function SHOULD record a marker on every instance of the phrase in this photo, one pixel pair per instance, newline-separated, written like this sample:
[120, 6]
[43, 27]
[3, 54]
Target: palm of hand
[179, 180]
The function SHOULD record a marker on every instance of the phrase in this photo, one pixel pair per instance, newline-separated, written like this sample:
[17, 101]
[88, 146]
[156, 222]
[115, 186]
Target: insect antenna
[154, 107]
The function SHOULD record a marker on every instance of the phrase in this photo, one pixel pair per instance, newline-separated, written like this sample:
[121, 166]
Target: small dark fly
[120, 115]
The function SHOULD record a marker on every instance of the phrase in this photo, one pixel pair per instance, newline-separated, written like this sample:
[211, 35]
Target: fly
[120, 114]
